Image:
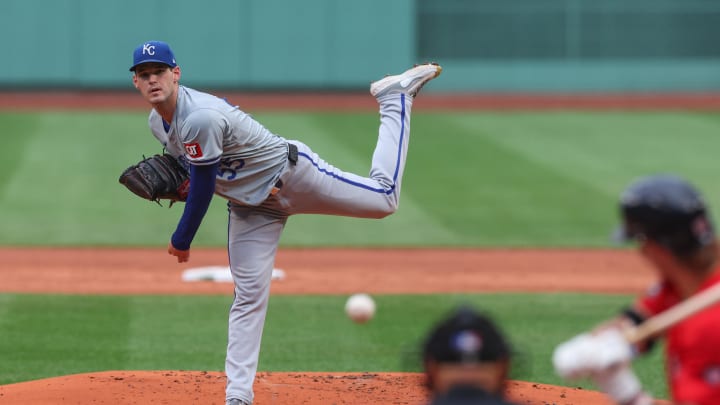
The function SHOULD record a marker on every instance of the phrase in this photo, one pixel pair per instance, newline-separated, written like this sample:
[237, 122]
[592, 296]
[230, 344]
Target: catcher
[466, 358]
[671, 223]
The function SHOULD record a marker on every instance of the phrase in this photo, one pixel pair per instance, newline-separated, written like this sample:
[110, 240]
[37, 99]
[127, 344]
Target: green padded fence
[484, 45]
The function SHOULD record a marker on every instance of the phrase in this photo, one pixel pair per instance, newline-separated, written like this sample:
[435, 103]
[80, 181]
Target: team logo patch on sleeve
[193, 150]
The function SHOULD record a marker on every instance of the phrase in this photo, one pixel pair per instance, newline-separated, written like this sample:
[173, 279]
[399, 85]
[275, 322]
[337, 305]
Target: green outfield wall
[484, 45]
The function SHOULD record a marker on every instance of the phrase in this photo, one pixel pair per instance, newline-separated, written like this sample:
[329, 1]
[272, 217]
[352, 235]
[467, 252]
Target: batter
[265, 178]
[672, 225]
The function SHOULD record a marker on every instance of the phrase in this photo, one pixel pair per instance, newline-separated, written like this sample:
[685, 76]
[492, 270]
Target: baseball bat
[670, 317]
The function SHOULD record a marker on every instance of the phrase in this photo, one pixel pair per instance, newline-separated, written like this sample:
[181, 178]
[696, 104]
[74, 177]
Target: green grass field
[53, 335]
[479, 179]
[472, 179]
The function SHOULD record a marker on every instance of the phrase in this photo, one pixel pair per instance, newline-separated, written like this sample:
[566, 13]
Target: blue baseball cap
[153, 51]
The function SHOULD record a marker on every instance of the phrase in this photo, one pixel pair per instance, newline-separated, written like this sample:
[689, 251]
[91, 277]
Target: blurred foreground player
[466, 360]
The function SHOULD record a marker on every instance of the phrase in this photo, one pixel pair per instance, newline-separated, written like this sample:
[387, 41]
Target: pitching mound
[199, 387]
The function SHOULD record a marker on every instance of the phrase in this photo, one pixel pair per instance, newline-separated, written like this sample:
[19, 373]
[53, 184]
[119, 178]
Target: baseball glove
[159, 177]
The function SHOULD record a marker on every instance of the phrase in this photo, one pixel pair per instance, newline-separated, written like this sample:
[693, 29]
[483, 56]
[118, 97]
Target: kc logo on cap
[148, 49]
[153, 51]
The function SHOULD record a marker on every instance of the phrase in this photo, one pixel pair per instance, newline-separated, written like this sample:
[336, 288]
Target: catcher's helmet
[667, 210]
[466, 336]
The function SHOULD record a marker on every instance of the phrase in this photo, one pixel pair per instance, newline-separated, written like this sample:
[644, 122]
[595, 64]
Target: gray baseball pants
[312, 186]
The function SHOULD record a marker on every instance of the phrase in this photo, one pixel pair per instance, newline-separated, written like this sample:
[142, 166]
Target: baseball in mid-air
[360, 308]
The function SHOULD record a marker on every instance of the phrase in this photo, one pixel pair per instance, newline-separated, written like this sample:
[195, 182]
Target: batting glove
[622, 385]
[590, 354]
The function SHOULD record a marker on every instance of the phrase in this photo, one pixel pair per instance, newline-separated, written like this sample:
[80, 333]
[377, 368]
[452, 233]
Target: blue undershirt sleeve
[202, 188]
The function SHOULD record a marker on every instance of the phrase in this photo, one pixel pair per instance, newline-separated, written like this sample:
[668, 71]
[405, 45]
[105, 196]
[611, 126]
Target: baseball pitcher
[265, 178]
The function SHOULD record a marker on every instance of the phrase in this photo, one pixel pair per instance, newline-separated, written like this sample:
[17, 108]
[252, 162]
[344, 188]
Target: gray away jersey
[207, 130]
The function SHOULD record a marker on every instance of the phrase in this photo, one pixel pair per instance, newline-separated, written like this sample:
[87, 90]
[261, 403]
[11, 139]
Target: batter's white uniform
[264, 186]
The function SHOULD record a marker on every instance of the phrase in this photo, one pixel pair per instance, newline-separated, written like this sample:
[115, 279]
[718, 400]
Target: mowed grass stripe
[508, 199]
[472, 179]
[560, 173]
[606, 147]
[46, 336]
[18, 131]
[66, 189]
[173, 332]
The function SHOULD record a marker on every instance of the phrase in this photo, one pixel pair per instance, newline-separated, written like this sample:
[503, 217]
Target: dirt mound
[200, 387]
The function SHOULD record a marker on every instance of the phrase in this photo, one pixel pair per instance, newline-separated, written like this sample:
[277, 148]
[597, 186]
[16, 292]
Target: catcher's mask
[667, 210]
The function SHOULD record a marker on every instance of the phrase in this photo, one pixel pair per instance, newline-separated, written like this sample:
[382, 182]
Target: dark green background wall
[484, 45]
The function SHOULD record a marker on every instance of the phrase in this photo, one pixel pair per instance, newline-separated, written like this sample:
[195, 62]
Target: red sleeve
[657, 298]
[693, 351]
